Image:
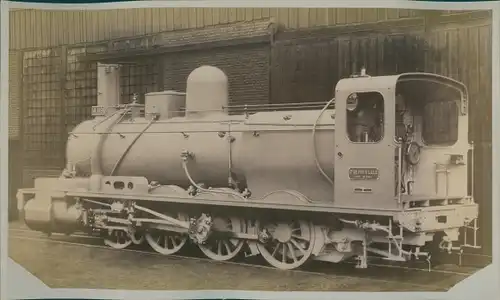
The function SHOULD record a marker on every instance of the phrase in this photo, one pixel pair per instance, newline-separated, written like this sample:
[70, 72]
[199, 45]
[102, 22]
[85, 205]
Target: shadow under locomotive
[383, 172]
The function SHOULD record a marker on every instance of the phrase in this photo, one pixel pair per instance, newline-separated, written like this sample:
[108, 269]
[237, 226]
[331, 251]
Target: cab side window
[365, 117]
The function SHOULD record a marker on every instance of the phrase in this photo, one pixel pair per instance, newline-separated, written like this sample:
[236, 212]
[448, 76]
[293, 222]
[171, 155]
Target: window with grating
[80, 86]
[140, 78]
[14, 94]
[42, 120]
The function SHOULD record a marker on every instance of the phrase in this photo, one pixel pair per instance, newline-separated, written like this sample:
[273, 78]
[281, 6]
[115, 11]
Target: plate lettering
[98, 111]
[363, 173]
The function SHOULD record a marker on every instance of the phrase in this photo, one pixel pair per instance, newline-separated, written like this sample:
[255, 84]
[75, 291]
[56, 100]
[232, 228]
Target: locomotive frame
[365, 204]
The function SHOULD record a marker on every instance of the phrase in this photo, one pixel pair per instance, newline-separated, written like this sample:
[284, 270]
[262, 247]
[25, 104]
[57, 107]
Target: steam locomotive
[381, 169]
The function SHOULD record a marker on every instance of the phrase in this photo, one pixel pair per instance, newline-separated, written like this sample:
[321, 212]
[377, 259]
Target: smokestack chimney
[108, 85]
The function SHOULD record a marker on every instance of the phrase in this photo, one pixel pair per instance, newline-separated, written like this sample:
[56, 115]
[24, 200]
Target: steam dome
[207, 90]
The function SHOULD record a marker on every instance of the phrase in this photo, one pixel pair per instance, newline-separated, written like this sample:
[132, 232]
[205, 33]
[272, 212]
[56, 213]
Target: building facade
[270, 56]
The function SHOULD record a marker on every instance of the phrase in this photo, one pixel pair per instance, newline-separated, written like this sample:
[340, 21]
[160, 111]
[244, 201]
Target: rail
[264, 106]
[278, 105]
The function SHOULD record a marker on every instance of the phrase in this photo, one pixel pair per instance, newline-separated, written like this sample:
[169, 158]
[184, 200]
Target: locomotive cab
[401, 141]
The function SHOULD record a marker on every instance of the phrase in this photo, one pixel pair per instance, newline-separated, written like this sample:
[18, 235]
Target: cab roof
[375, 83]
[391, 81]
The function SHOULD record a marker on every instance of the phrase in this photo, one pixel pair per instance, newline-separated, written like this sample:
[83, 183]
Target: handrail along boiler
[382, 169]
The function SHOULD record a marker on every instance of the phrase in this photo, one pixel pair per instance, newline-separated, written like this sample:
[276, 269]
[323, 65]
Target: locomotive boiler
[382, 168]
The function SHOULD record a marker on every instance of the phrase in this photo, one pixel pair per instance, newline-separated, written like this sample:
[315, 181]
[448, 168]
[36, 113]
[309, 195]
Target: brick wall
[247, 68]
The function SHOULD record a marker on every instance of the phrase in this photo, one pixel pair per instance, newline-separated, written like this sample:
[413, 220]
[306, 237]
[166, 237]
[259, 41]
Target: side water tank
[207, 90]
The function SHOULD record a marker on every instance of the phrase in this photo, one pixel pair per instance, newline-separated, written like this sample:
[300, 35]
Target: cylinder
[269, 158]
[156, 154]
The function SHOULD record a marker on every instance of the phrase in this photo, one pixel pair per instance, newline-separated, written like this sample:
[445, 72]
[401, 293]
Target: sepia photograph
[254, 148]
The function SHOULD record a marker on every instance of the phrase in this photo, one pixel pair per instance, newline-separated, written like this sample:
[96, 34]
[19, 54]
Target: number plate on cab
[363, 174]
[98, 111]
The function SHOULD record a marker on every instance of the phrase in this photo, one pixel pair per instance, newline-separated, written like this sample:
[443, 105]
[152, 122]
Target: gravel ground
[76, 266]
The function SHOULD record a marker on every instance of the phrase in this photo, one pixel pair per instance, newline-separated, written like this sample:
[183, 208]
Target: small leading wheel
[117, 239]
[220, 248]
[167, 242]
[290, 244]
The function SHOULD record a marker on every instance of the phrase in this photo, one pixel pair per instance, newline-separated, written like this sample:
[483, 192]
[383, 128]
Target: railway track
[420, 275]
